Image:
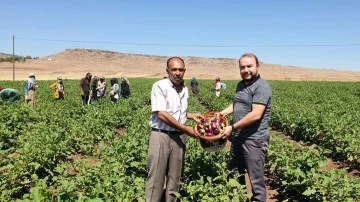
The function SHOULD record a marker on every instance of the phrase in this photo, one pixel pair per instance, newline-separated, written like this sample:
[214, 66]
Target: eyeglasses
[177, 69]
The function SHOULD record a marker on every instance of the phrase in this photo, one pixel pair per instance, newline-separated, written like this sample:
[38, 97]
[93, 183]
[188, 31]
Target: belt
[169, 132]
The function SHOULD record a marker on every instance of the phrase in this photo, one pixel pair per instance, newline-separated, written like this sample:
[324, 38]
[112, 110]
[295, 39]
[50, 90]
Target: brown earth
[75, 63]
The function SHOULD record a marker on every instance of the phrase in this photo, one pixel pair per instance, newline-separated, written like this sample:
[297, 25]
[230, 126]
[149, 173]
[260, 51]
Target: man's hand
[226, 132]
[190, 132]
[195, 116]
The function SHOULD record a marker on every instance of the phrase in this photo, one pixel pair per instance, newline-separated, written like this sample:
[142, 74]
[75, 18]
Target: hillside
[3, 55]
[75, 63]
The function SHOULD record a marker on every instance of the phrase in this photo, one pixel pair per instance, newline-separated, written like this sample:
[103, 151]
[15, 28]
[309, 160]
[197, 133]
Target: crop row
[39, 146]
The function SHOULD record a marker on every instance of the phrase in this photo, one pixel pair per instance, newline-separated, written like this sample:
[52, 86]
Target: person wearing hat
[58, 88]
[30, 90]
[217, 86]
[9, 94]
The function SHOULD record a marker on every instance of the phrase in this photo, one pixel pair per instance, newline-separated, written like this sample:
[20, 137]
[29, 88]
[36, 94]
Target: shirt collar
[253, 81]
[172, 84]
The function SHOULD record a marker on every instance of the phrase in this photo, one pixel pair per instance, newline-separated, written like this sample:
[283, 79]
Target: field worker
[101, 87]
[125, 87]
[249, 131]
[114, 90]
[85, 88]
[30, 87]
[165, 160]
[94, 90]
[223, 85]
[9, 94]
[217, 86]
[194, 86]
[58, 88]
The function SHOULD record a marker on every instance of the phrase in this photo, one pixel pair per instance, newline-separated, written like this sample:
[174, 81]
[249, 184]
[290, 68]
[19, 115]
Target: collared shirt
[164, 97]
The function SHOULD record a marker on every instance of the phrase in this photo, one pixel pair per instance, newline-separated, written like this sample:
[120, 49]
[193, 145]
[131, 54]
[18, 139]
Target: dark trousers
[85, 99]
[113, 99]
[250, 155]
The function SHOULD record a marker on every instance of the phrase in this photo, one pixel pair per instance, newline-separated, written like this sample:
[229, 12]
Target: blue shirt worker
[250, 129]
[30, 87]
[165, 160]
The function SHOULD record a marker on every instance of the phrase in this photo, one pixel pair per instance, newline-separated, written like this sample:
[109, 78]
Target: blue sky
[307, 33]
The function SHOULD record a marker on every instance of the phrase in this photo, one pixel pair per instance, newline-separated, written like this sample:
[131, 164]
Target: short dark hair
[252, 55]
[175, 57]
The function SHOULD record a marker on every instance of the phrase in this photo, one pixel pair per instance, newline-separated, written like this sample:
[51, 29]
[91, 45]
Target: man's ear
[167, 70]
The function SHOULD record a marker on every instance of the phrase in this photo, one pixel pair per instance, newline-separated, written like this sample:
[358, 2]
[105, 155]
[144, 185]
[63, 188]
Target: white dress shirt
[164, 97]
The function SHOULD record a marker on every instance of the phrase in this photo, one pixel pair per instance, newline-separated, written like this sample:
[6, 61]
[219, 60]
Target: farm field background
[68, 152]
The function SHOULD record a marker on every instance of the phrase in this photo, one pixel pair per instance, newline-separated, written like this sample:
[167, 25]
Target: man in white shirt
[169, 102]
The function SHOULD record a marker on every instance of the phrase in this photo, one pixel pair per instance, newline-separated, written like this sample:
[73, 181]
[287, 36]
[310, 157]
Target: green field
[68, 152]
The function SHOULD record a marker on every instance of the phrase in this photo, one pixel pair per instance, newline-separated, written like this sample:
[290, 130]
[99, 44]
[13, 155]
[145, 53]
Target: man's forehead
[247, 60]
[176, 62]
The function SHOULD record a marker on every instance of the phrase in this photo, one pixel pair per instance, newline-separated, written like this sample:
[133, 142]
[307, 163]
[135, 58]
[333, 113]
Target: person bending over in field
[58, 88]
[9, 94]
[249, 131]
[85, 88]
[165, 160]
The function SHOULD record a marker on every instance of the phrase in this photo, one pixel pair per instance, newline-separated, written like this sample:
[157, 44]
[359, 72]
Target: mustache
[175, 81]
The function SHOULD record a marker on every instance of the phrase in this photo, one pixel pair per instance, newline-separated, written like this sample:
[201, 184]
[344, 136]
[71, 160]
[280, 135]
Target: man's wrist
[232, 127]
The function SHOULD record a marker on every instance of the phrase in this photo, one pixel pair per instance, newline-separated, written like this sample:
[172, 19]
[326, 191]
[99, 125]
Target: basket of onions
[209, 131]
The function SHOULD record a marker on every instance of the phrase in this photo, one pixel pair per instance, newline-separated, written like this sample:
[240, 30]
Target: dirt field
[75, 63]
